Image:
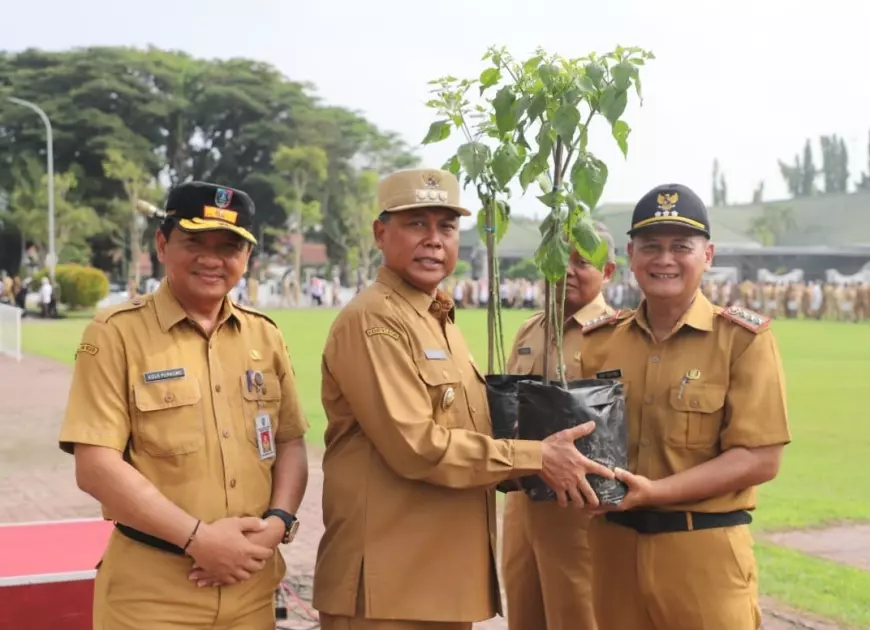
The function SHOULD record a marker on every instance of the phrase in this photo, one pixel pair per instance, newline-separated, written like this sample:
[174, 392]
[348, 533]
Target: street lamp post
[49, 144]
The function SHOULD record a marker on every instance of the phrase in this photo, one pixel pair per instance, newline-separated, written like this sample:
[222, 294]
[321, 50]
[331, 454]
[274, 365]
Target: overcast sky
[743, 81]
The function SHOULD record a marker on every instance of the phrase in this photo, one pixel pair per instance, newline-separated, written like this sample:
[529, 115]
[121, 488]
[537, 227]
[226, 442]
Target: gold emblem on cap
[431, 179]
[448, 398]
[667, 201]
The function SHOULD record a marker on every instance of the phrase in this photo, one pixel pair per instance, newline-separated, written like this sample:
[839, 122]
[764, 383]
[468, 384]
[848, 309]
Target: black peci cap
[670, 204]
[203, 207]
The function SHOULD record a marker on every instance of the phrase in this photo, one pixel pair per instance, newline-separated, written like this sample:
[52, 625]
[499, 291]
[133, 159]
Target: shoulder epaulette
[253, 311]
[750, 320]
[105, 314]
[605, 320]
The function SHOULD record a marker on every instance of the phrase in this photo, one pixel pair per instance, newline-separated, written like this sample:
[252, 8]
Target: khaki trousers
[698, 580]
[140, 587]
[546, 566]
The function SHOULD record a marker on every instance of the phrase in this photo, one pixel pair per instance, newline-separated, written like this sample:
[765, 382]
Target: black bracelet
[192, 535]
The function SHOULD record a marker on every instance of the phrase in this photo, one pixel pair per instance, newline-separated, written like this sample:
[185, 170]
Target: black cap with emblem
[670, 204]
[202, 207]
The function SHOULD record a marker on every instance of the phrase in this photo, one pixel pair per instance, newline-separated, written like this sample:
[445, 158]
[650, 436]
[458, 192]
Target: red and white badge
[265, 439]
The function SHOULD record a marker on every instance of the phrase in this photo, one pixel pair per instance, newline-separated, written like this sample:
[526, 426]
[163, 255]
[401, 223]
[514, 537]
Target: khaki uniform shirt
[149, 383]
[527, 355]
[410, 467]
[736, 397]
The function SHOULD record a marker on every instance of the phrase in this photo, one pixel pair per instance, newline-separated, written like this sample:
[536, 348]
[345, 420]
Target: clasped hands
[231, 550]
[565, 468]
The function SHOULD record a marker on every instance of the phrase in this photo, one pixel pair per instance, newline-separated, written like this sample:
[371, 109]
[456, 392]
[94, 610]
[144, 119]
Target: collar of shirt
[595, 308]
[699, 315]
[421, 302]
[170, 312]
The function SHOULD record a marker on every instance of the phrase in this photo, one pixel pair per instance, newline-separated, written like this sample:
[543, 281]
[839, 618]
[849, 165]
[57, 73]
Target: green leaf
[452, 165]
[507, 161]
[549, 74]
[588, 177]
[620, 133]
[499, 222]
[544, 182]
[473, 157]
[488, 78]
[553, 253]
[565, 123]
[622, 73]
[589, 243]
[537, 106]
[613, 103]
[545, 141]
[532, 63]
[438, 131]
[505, 114]
[595, 72]
[533, 168]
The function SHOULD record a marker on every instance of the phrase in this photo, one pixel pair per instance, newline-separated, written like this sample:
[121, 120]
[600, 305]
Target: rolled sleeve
[756, 411]
[380, 381]
[97, 411]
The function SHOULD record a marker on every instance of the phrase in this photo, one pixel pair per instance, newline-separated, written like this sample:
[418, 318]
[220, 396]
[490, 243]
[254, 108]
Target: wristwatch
[291, 524]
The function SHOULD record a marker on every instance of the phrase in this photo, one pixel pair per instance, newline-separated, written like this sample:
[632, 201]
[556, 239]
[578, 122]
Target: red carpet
[52, 547]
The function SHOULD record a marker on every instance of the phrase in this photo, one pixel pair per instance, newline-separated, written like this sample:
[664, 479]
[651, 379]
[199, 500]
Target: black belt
[652, 522]
[148, 539]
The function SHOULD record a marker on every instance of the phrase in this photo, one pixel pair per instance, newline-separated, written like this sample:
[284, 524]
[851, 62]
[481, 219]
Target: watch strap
[291, 523]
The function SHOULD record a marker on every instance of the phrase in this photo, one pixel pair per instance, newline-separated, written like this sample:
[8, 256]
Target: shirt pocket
[446, 395]
[169, 417]
[697, 415]
[267, 400]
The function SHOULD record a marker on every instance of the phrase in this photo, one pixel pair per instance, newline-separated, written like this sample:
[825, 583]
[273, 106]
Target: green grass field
[828, 373]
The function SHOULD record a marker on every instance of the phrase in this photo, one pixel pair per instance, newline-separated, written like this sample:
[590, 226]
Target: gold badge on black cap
[667, 201]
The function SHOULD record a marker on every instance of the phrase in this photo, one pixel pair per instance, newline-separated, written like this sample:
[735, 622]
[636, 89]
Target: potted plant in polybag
[532, 125]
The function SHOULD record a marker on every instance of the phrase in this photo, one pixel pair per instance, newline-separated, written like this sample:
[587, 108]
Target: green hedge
[78, 286]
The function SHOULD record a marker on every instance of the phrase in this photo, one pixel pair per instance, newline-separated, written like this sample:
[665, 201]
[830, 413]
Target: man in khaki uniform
[185, 425]
[707, 423]
[410, 465]
[546, 561]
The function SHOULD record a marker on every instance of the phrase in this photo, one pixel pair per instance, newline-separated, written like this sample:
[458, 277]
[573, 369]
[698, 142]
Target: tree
[75, 223]
[720, 188]
[538, 117]
[835, 164]
[800, 178]
[297, 169]
[774, 224]
[136, 182]
[758, 193]
[864, 182]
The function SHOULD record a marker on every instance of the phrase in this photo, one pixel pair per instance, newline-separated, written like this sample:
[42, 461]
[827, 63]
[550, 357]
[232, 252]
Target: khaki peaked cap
[411, 189]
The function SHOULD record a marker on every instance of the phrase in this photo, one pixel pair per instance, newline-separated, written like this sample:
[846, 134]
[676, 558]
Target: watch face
[290, 532]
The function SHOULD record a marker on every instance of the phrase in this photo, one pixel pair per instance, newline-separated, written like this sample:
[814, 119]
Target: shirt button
[226, 433]
[473, 409]
[168, 398]
[217, 388]
[232, 483]
[644, 442]
[654, 359]
[693, 403]
[648, 400]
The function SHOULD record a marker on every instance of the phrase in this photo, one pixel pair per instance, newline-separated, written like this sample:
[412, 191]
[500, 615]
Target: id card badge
[265, 442]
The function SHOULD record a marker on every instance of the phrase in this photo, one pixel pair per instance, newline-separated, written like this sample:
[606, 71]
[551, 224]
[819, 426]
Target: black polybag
[501, 391]
[547, 409]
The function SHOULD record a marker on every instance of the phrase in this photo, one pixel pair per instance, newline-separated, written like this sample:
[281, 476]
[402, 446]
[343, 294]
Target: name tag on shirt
[437, 354]
[524, 350]
[265, 439]
[163, 375]
[609, 374]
